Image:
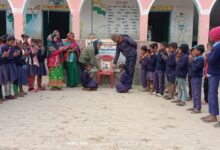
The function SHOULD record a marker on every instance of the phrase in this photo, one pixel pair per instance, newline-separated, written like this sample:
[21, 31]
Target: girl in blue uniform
[11, 69]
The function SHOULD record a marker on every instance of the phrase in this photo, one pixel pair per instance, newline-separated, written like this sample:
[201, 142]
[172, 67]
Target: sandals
[176, 101]
[41, 88]
[203, 118]
[181, 104]
[196, 112]
[191, 109]
[211, 119]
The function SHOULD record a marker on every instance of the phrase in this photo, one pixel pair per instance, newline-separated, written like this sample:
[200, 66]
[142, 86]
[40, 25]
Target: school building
[182, 21]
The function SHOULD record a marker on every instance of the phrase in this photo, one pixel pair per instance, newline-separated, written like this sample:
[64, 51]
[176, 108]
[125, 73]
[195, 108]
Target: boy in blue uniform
[197, 65]
[86, 80]
[144, 66]
[124, 85]
[181, 73]
[160, 69]
[151, 67]
[170, 70]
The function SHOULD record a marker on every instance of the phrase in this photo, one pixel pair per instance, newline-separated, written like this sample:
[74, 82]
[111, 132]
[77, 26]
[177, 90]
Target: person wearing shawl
[213, 76]
[71, 58]
[88, 55]
[55, 61]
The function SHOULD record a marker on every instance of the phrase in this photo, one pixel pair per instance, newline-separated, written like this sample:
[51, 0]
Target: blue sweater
[144, 63]
[1, 59]
[197, 67]
[128, 47]
[10, 59]
[171, 63]
[182, 67]
[152, 63]
[214, 61]
[161, 64]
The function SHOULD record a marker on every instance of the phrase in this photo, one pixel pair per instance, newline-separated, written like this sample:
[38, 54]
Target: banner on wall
[55, 7]
[108, 48]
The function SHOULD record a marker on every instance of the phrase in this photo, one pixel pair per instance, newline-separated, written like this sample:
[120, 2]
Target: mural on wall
[33, 18]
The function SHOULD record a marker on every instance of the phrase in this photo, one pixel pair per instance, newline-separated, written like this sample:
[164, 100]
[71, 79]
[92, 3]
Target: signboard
[108, 48]
[161, 8]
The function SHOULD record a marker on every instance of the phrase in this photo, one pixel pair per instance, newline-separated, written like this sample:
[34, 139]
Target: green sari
[55, 72]
[72, 69]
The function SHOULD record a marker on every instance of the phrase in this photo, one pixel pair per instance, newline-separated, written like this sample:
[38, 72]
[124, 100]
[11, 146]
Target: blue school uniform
[170, 68]
[3, 73]
[41, 70]
[32, 69]
[124, 85]
[160, 72]
[151, 67]
[196, 82]
[214, 78]
[22, 69]
[87, 81]
[181, 73]
[144, 70]
[10, 64]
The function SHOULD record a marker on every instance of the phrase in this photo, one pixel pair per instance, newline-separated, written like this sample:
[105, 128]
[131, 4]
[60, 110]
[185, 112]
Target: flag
[99, 7]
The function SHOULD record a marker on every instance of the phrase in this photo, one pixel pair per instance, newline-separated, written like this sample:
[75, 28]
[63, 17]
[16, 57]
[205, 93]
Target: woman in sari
[55, 62]
[71, 58]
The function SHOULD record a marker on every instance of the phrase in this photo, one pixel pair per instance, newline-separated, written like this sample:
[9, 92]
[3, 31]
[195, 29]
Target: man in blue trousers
[128, 47]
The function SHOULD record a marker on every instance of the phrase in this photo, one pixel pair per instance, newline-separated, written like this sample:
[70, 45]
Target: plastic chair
[106, 69]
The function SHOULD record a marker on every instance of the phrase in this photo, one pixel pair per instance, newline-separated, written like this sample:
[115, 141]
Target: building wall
[33, 16]
[118, 16]
[181, 21]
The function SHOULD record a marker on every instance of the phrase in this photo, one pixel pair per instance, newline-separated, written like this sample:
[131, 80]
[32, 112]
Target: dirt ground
[104, 120]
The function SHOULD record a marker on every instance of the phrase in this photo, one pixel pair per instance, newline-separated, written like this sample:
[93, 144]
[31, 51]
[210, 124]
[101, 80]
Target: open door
[2, 23]
[55, 20]
[159, 24]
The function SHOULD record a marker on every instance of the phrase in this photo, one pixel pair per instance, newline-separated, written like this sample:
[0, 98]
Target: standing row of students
[20, 63]
[176, 64]
[173, 63]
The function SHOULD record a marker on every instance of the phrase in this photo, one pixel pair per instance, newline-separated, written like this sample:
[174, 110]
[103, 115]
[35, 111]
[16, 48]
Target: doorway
[159, 25]
[3, 23]
[55, 20]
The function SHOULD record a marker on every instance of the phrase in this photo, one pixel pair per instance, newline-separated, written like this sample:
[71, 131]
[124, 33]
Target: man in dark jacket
[128, 47]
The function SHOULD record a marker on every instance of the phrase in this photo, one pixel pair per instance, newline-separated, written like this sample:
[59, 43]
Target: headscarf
[214, 34]
[95, 43]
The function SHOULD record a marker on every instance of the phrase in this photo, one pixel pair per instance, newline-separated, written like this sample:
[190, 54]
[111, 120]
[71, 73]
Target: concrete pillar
[203, 29]
[204, 20]
[75, 13]
[145, 6]
[143, 27]
[18, 24]
[17, 7]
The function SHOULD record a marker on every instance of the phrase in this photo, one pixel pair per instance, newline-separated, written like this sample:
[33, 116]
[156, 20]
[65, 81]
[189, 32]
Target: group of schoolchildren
[166, 68]
[20, 63]
[169, 65]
